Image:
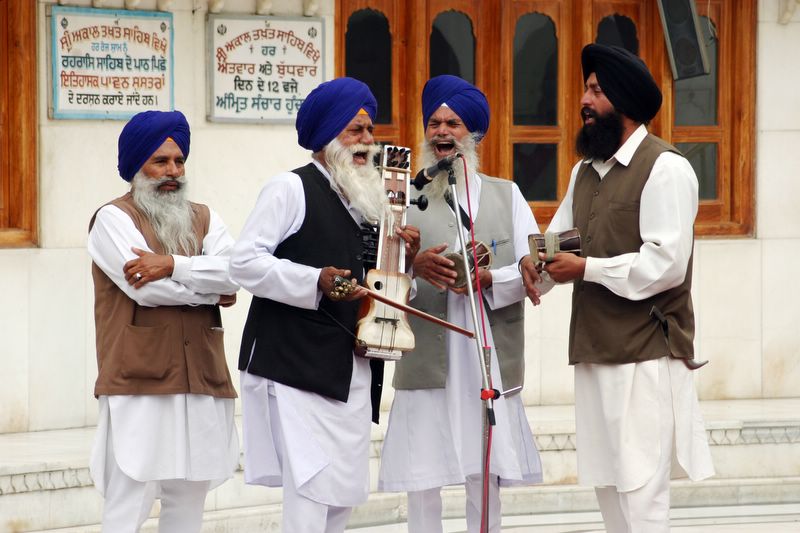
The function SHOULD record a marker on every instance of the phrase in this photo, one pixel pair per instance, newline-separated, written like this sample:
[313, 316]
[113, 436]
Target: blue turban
[329, 108]
[144, 133]
[466, 101]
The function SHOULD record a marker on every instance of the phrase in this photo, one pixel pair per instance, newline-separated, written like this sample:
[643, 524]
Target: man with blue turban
[634, 199]
[434, 433]
[160, 271]
[307, 397]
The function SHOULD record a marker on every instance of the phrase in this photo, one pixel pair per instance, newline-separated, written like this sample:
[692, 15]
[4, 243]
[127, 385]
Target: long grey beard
[169, 212]
[360, 184]
[467, 147]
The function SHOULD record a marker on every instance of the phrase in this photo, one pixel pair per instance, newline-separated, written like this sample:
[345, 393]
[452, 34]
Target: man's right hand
[326, 284]
[530, 277]
[147, 267]
[434, 268]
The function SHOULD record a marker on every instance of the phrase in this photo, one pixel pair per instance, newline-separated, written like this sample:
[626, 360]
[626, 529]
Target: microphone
[426, 175]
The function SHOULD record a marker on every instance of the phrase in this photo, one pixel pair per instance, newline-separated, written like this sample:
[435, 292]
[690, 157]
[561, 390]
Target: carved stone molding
[38, 481]
[560, 442]
[755, 434]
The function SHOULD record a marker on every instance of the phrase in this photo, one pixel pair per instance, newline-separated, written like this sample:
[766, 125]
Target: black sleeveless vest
[305, 348]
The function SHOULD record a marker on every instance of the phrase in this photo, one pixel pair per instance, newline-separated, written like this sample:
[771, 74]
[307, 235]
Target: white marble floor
[735, 519]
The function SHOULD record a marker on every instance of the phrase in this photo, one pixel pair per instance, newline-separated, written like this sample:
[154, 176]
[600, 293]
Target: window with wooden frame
[18, 176]
[525, 56]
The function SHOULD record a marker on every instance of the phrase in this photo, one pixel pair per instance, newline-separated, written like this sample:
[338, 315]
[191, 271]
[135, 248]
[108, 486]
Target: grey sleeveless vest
[426, 366]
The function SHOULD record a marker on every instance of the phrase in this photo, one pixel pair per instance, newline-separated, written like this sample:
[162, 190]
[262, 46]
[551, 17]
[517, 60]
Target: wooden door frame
[18, 124]
[732, 214]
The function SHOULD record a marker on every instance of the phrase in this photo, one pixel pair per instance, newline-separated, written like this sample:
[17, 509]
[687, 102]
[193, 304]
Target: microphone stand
[488, 395]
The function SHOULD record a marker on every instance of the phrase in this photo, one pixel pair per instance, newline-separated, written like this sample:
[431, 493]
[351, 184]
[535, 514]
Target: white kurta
[165, 436]
[434, 436]
[616, 406]
[325, 441]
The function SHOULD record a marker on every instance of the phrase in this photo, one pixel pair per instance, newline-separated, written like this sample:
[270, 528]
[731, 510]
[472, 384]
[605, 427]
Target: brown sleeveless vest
[157, 350]
[606, 328]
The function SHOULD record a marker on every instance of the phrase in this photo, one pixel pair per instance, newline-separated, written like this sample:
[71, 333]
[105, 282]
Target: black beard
[602, 139]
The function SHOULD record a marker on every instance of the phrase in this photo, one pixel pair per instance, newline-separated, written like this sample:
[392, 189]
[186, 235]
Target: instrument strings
[394, 247]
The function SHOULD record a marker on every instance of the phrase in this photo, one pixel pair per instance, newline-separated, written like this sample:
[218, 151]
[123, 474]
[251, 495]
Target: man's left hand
[486, 282]
[147, 267]
[530, 277]
[565, 267]
[410, 234]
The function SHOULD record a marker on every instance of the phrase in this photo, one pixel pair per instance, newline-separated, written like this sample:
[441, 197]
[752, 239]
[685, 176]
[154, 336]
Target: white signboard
[110, 64]
[262, 68]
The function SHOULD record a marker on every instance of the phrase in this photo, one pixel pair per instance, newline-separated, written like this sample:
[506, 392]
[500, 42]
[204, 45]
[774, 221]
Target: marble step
[531, 505]
[45, 482]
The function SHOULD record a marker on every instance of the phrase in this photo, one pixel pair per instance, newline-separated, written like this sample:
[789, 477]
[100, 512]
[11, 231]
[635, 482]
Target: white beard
[169, 212]
[360, 184]
[467, 147]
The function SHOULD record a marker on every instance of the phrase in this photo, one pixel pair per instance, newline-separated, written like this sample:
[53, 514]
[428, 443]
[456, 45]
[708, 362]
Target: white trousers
[128, 503]
[304, 515]
[645, 509]
[425, 507]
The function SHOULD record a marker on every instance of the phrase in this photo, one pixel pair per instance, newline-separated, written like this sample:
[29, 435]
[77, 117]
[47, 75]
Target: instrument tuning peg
[421, 202]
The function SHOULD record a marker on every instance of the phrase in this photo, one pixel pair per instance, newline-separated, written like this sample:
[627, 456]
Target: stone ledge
[391, 508]
[745, 435]
[47, 480]
[755, 433]
[52, 460]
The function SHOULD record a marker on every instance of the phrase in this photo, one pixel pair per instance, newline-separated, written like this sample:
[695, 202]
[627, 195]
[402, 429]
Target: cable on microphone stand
[488, 394]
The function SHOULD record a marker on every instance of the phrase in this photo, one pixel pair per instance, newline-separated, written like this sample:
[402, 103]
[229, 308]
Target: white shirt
[617, 414]
[324, 442]
[172, 436]
[667, 211]
[279, 213]
[434, 435]
[197, 280]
